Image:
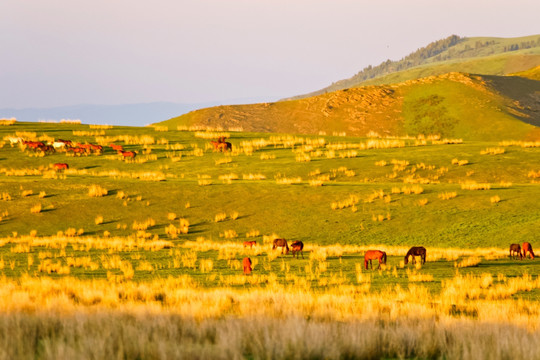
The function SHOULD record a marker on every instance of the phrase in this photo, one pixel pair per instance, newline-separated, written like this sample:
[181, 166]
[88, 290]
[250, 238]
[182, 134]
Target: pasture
[162, 233]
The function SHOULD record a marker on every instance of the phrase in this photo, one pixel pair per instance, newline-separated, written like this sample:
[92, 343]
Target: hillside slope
[484, 55]
[452, 105]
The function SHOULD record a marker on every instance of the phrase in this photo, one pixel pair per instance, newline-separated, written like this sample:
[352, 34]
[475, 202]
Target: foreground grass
[50, 319]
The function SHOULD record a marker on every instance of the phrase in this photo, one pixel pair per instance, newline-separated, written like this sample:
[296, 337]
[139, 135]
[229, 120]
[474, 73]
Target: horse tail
[365, 262]
[383, 258]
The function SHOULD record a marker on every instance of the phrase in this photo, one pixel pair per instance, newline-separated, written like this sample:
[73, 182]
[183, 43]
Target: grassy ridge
[474, 107]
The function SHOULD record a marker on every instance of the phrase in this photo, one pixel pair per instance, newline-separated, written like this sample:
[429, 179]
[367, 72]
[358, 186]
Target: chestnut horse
[515, 250]
[527, 248]
[416, 251]
[297, 247]
[247, 266]
[127, 154]
[250, 243]
[61, 166]
[282, 243]
[372, 255]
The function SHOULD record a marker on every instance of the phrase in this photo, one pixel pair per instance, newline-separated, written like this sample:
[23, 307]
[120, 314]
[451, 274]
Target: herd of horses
[221, 144]
[521, 251]
[69, 147]
[298, 246]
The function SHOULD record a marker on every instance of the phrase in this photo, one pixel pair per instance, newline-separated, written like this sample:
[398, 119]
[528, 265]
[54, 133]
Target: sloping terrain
[479, 55]
[471, 107]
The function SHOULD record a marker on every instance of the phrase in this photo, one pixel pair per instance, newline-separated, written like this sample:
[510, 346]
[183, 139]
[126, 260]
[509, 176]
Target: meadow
[150, 248]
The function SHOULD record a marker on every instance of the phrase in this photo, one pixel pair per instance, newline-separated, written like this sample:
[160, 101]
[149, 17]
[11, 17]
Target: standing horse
[215, 144]
[372, 255]
[515, 250]
[527, 248]
[297, 247]
[282, 243]
[247, 266]
[61, 166]
[416, 251]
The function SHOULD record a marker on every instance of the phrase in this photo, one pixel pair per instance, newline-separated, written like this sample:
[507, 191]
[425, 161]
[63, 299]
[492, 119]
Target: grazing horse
[116, 147]
[127, 154]
[215, 144]
[527, 248]
[282, 243]
[250, 243]
[297, 247]
[60, 166]
[247, 266]
[416, 251]
[372, 255]
[47, 149]
[515, 250]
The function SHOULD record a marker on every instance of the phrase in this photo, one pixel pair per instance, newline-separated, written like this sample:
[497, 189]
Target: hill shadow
[525, 91]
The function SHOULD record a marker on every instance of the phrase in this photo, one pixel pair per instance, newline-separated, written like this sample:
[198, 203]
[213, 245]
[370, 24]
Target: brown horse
[416, 251]
[247, 266]
[116, 147]
[527, 248]
[515, 250]
[224, 146]
[215, 144]
[372, 255]
[250, 243]
[127, 154]
[60, 166]
[297, 247]
[282, 243]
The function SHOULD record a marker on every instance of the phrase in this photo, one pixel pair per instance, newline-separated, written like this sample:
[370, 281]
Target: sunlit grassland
[162, 242]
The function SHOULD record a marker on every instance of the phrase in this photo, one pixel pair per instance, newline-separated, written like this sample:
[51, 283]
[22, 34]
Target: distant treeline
[440, 50]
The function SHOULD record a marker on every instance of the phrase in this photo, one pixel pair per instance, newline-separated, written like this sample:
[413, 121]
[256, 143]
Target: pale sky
[67, 52]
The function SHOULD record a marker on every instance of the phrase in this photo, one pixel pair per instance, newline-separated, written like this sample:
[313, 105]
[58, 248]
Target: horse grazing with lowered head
[515, 251]
[527, 248]
[416, 251]
[247, 266]
[282, 243]
[374, 255]
[297, 247]
[250, 243]
[127, 154]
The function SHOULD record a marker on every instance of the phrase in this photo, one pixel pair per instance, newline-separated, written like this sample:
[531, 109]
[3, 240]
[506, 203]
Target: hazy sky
[66, 52]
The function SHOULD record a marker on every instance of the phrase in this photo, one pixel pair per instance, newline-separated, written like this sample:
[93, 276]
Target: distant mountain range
[470, 88]
[126, 114]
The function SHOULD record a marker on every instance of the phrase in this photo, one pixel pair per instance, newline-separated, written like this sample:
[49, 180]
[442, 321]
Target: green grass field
[297, 211]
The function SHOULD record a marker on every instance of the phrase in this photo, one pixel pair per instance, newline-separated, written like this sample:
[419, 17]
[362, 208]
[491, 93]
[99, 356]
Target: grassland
[157, 257]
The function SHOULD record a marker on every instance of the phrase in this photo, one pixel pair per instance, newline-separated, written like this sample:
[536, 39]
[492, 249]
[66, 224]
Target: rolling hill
[478, 55]
[468, 106]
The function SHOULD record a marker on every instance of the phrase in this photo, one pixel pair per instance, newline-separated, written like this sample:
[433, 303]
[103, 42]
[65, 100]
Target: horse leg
[302, 253]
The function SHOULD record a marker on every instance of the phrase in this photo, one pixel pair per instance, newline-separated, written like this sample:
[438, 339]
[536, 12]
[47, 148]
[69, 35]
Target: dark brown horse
[282, 243]
[416, 251]
[297, 247]
[372, 255]
[247, 265]
[515, 250]
[527, 248]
